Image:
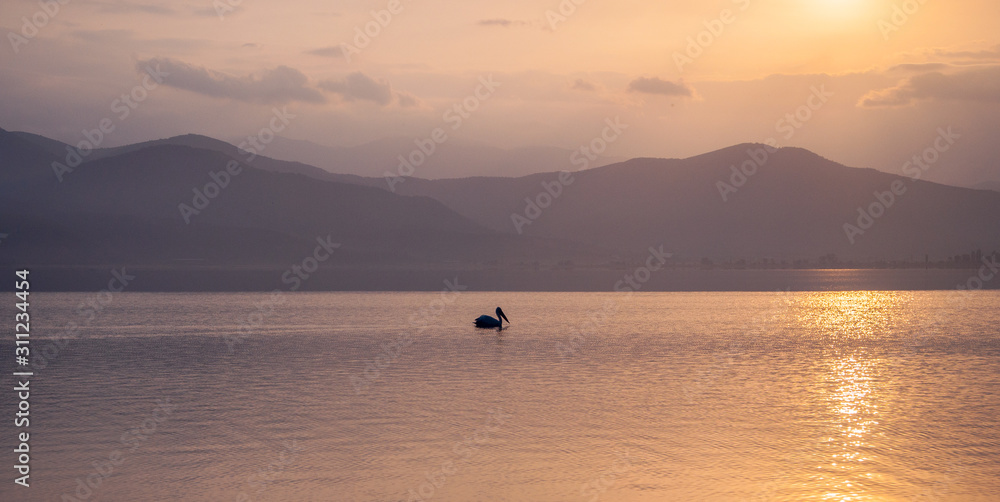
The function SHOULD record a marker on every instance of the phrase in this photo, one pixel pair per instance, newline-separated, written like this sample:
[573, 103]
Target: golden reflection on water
[855, 401]
[854, 388]
[852, 314]
[711, 396]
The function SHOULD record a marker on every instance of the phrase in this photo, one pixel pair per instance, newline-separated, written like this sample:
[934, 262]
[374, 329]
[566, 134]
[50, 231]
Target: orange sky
[892, 77]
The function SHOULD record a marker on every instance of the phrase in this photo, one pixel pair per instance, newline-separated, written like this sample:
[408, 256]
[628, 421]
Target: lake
[586, 396]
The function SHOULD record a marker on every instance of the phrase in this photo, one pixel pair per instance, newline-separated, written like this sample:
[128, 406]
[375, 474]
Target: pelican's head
[501, 316]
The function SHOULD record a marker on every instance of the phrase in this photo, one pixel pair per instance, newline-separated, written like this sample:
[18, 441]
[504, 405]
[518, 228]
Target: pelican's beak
[501, 315]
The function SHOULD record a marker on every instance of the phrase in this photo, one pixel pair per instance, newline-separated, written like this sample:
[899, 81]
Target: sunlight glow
[840, 4]
[841, 11]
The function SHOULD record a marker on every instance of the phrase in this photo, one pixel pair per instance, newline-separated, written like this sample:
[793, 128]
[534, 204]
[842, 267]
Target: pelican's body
[485, 321]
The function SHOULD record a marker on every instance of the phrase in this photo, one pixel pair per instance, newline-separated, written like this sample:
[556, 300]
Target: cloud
[358, 86]
[332, 51]
[978, 84]
[984, 54]
[884, 98]
[407, 100]
[583, 85]
[120, 7]
[504, 23]
[920, 67]
[278, 85]
[655, 85]
[117, 36]
[495, 22]
[115, 39]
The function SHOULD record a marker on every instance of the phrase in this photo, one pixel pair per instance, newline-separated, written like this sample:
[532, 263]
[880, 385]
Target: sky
[867, 83]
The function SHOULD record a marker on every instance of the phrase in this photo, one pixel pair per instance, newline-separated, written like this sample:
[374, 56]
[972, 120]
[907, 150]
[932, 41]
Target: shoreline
[160, 279]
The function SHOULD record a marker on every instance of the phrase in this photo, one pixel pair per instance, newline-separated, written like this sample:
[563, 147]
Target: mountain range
[454, 158]
[193, 202]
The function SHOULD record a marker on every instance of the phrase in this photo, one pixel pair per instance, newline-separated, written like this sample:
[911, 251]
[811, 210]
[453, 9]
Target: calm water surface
[587, 396]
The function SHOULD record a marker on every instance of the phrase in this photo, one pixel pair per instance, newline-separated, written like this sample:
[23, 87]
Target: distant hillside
[122, 205]
[58, 149]
[794, 205]
[988, 185]
[125, 207]
[454, 158]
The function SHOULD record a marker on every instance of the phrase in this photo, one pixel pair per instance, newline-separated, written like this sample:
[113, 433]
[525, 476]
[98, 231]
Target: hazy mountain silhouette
[58, 149]
[122, 206]
[794, 205]
[454, 158]
[988, 185]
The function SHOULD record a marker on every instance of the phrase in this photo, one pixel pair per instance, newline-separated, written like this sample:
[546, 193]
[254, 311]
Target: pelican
[485, 321]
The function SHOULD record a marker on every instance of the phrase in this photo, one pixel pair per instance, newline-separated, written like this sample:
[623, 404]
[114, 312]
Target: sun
[840, 10]
[842, 4]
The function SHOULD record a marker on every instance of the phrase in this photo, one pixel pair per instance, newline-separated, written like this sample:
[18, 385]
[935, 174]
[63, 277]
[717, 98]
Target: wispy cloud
[976, 84]
[277, 85]
[359, 86]
[991, 54]
[125, 7]
[327, 52]
[503, 23]
[407, 100]
[111, 39]
[656, 85]
[105, 36]
[920, 67]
